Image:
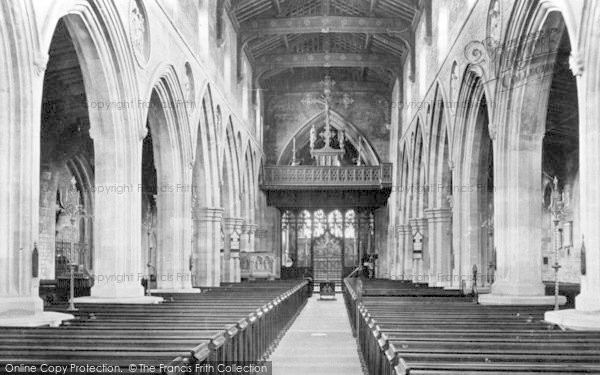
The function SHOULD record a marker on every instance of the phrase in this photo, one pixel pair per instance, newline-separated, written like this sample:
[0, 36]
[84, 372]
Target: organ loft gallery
[300, 186]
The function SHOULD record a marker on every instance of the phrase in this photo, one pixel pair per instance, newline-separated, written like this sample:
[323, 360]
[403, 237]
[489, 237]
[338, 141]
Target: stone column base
[144, 300]
[169, 291]
[574, 319]
[44, 318]
[28, 312]
[20, 306]
[500, 299]
[117, 290]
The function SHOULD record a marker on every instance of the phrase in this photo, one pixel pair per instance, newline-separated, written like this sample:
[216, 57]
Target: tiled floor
[319, 342]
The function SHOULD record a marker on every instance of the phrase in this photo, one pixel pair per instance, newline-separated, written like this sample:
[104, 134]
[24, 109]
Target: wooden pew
[234, 323]
[441, 333]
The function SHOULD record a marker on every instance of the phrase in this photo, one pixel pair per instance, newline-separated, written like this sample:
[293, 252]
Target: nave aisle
[319, 342]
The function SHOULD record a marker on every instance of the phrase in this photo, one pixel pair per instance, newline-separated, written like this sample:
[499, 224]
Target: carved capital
[576, 63]
[492, 129]
[232, 224]
[207, 214]
[402, 229]
[249, 228]
[418, 225]
[439, 214]
[40, 61]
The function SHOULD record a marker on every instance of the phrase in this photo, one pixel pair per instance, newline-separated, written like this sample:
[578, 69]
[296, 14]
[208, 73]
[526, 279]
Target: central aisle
[319, 342]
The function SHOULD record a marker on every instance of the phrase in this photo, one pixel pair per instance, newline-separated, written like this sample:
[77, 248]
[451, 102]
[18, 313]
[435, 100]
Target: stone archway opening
[473, 194]
[149, 190]
[66, 173]
[560, 168]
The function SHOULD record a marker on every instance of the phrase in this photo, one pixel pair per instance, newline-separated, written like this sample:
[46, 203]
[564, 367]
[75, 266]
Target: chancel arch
[354, 141]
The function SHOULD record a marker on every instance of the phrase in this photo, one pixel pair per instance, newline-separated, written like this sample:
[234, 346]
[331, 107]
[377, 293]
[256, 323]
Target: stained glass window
[319, 223]
[304, 239]
[334, 223]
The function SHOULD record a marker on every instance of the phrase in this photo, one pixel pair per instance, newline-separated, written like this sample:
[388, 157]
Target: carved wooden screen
[350, 244]
[327, 258]
[63, 255]
[304, 234]
[325, 244]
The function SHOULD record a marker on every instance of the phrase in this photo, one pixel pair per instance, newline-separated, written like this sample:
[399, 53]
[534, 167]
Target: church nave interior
[312, 186]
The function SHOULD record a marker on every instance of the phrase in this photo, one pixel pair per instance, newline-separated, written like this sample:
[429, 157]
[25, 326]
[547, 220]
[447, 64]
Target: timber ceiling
[288, 38]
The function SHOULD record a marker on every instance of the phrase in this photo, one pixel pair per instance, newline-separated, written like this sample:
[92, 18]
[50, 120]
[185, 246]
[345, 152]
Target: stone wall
[53, 179]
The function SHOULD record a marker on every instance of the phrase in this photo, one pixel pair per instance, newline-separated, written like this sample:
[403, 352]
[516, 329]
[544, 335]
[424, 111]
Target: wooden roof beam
[351, 60]
[326, 24]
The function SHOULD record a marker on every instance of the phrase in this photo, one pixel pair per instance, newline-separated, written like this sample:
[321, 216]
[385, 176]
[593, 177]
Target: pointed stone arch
[108, 77]
[353, 135]
[522, 106]
[172, 145]
[473, 154]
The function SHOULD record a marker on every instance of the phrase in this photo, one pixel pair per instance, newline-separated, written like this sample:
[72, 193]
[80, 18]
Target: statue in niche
[259, 264]
[218, 122]
[269, 263]
[494, 22]
[245, 263]
[188, 86]
[138, 29]
[454, 85]
[450, 200]
[68, 202]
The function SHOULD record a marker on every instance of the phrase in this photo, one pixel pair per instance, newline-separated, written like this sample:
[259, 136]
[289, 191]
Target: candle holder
[558, 206]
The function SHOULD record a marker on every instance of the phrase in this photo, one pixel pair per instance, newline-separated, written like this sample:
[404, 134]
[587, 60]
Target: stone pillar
[173, 249]
[403, 258]
[518, 227]
[117, 222]
[420, 265]
[252, 237]
[230, 225]
[20, 100]
[245, 237]
[388, 263]
[586, 314]
[440, 246]
[206, 267]
[236, 271]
